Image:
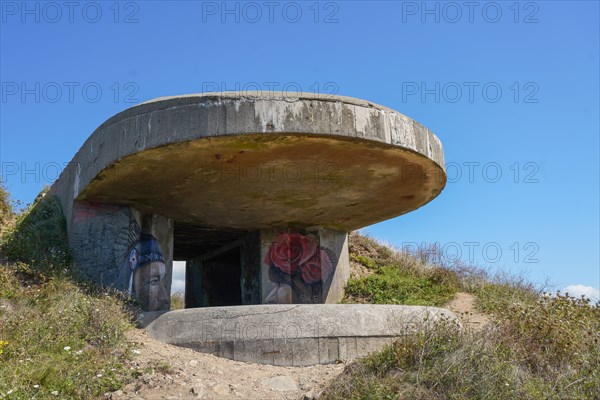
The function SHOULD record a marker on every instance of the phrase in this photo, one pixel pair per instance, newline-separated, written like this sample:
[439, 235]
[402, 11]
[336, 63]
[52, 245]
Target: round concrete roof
[256, 160]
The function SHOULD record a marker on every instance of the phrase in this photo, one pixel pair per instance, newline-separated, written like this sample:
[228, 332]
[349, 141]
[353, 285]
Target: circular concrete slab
[262, 160]
[300, 334]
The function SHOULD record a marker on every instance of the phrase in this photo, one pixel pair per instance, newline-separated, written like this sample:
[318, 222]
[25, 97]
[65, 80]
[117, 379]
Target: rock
[146, 378]
[193, 363]
[221, 390]
[280, 383]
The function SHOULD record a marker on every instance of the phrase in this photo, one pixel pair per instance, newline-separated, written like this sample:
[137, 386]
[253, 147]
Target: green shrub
[499, 292]
[554, 332]
[366, 261]
[39, 237]
[393, 284]
[540, 350]
[6, 212]
[535, 347]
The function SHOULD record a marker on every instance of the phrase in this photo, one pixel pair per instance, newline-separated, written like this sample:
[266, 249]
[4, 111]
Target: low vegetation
[177, 301]
[6, 211]
[59, 340]
[390, 277]
[537, 347]
[38, 236]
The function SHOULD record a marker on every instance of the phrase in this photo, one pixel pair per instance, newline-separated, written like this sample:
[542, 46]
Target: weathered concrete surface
[300, 170]
[101, 238]
[258, 161]
[329, 275]
[291, 334]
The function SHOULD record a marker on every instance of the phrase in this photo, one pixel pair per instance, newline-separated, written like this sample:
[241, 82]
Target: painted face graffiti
[149, 276]
[150, 288]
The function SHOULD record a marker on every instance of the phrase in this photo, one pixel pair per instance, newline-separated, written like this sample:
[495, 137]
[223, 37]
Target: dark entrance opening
[222, 279]
[222, 265]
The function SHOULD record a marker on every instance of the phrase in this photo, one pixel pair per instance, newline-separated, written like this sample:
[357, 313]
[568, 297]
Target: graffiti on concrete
[148, 282]
[299, 268]
[128, 259]
[103, 235]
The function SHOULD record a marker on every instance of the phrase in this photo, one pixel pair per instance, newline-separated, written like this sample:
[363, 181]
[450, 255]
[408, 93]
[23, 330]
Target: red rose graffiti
[289, 251]
[296, 264]
[317, 268]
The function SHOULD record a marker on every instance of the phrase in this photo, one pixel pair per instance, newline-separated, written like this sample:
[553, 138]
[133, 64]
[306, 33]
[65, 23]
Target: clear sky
[510, 88]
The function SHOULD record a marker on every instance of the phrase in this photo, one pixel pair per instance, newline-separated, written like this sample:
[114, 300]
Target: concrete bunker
[254, 191]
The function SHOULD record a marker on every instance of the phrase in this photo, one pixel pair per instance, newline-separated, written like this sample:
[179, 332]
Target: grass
[396, 278]
[177, 301]
[545, 350]
[6, 211]
[537, 347]
[38, 236]
[390, 284]
[59, 340]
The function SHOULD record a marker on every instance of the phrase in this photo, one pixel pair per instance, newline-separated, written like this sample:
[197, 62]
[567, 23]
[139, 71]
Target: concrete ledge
[293, 335]
[250, 152]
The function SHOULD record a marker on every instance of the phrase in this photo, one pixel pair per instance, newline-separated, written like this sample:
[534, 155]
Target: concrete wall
[157, 283]
[294, 335]
[120, 247]
[108, 248]
[337, 242]
[283, 266]
[102, 236]
[307, 266]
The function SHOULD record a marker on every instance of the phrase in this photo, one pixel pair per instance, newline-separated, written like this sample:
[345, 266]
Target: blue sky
[511, 89]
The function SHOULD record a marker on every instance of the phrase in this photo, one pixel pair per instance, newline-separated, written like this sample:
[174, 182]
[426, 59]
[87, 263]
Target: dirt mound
[171, 372]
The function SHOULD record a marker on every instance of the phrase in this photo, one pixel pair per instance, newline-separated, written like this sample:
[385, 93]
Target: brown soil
[171, 372]
[463, 305]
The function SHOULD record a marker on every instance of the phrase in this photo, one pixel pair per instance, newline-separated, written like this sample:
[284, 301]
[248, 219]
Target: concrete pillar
[307, 266]
[154, 270]
[193, 283]
[103, 236]
[117, 246]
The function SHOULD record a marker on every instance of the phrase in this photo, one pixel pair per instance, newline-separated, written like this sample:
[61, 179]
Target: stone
[280, 383]
[221, 390]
